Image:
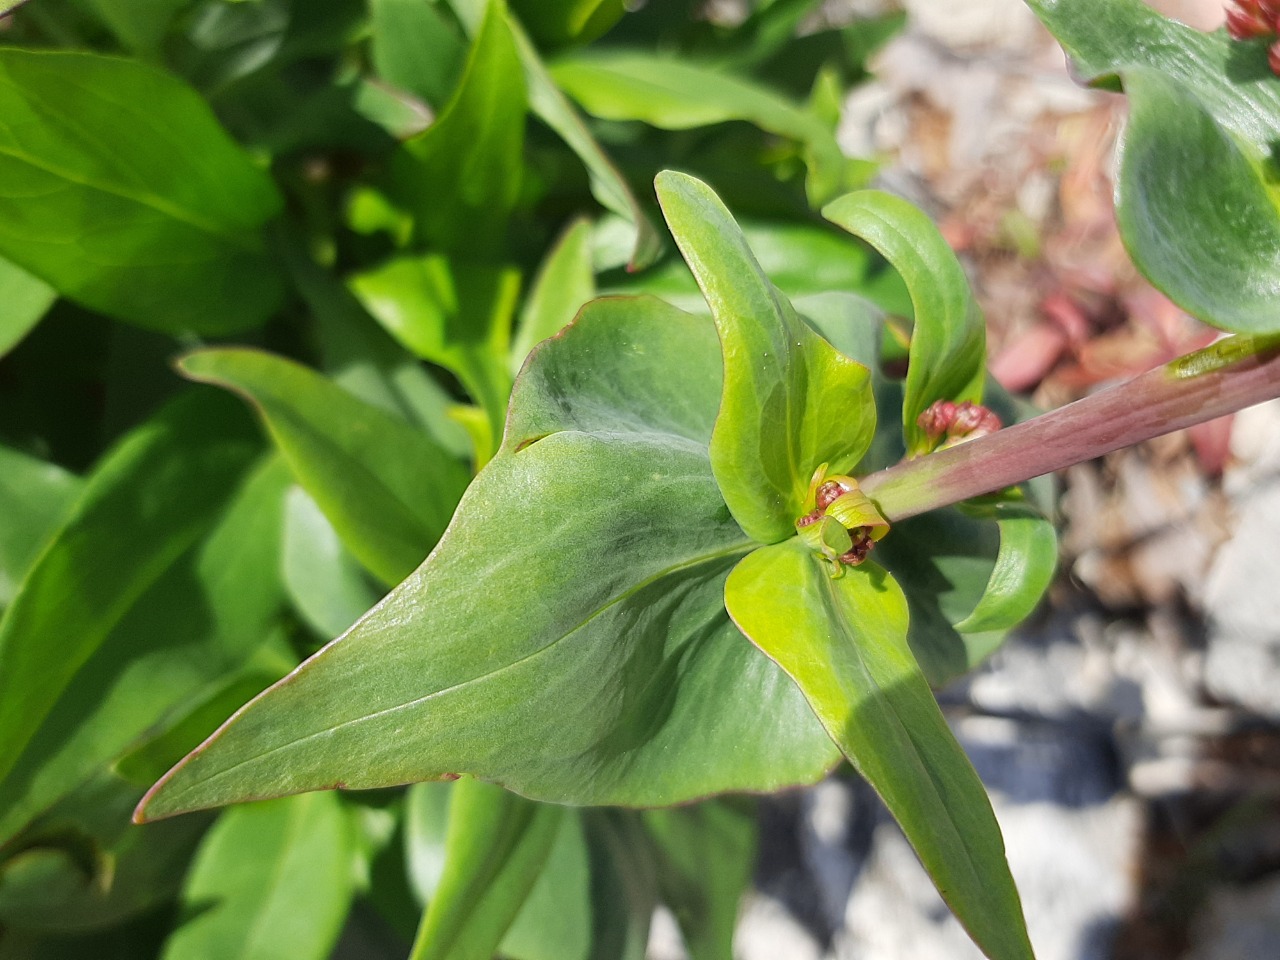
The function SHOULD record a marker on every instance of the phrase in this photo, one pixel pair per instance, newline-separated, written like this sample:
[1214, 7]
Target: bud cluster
[953, 423]
[843, 524]
[1252, 19]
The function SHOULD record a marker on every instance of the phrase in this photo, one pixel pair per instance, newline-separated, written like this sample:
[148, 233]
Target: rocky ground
[1130, 734]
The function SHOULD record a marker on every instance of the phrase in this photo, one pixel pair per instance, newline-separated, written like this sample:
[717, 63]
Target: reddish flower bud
[1248, 25]
[829, 493]
[861, 549]
[937, 419]
[972, 420]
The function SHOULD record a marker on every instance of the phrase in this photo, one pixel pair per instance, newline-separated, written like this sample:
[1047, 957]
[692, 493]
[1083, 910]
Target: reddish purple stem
[1229, 375]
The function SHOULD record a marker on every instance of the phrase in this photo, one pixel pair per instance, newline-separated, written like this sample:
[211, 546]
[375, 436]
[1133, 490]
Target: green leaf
[565, 21]
[270, 880]
[564, 283]
[496, 845]
[24, 299]
[84, 867]
[608, 186]
[948, 346]
[556, 920]
[386, 488]
[325, 582]
[705, 854]
[119, 189]
[461, 176]
[34, 499]
[1023, 571]
[675, 94]
[148, 502]
[140, 25]
[415, 48]
[791, 401]
[599, 542]
[200, 620]
[451, 313]
[1195, 198]
[843, 640]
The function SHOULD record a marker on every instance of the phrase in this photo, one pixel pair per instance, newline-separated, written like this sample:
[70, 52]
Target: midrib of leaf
[151, 202]
[724, 553]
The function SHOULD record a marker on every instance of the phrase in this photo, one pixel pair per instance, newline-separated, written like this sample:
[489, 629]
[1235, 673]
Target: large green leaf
[602, 667]
[270, 880]
[791, 401]
[949, 343]
[24, 299]
[705, 855]
[387, 489]
[34, 499]
[556, 920]
[118, 188]
[608, 186]
[415, 48]
[1195, 198]
[452, 313]
[461, 176]
[148, 502]
[200, 620]
[495, 848]
[843, 640]
[675, 94]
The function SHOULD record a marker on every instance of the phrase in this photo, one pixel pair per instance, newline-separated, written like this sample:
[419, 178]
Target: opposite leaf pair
[570, 637]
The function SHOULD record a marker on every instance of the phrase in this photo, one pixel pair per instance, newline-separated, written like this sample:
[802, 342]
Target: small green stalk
[1227, 376]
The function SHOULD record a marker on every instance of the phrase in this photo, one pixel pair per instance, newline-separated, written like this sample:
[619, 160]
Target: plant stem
[1231, 374]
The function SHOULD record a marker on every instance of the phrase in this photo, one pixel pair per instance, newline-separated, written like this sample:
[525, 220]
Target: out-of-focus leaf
[24, 299]
[415, 48]
[1023, 571]
[426, 823]
[386, 488]
[705, 856]
[844, 641]
[361, 357]
[587, 595]
[328, 587]
[83, 866]
[461, 176]
[564, 283]
[608, 186]
[791, 401]
[948, 345]
[451, 313]
[1195, 199]
[556, 920]
[140, 25]
[565, 21]
[495, 847]
[199, 621]
[270, 880]
[674, 94]
[118, 188]
[34, 498]
[148, 502]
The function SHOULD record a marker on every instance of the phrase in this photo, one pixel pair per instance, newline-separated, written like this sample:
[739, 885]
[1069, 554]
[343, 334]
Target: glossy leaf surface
[1024, 569]
[843, 640]
[24, 299]
[674, 94]
[791, 401]
[948, 344]
[270, 880]
[589, 595]
[387, 489]
[119, 189]
[200, 620]
[148, 502]
[495, 848]
[462, 174]
[1195, 199]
